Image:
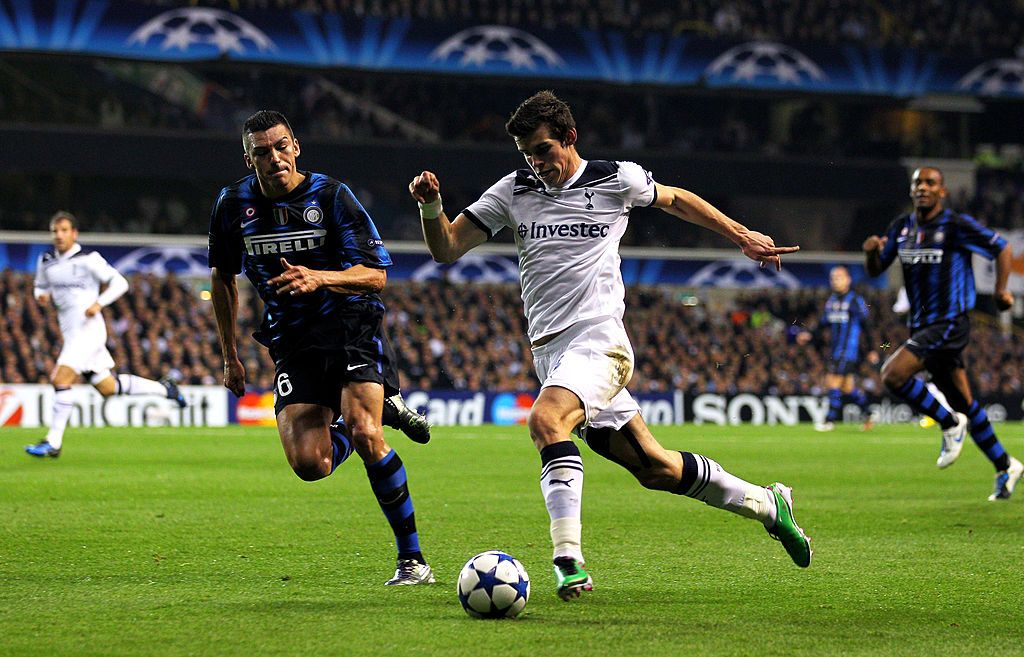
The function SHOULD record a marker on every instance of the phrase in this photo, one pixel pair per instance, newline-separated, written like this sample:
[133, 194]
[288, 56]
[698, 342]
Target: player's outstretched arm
[690, 207]
[1004, 261]
[446, 240]
[224, 291]
[872, 248]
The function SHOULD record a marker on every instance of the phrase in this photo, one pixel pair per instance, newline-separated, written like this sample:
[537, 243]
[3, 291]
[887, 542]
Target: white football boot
[952, 442]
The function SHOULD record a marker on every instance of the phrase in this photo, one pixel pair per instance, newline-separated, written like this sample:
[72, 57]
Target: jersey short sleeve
[100, 268]
[977, 238]
[360, 240]
[225, 248]
[491, 212]
[638, 185]
[41, 283]
[861, 308]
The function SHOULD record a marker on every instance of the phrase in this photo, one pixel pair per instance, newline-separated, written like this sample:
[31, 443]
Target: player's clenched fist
[1004, 299]
[874, 243]
[425, 187]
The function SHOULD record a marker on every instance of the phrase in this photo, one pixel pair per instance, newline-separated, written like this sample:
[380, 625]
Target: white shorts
[594, 360]
[86, 351]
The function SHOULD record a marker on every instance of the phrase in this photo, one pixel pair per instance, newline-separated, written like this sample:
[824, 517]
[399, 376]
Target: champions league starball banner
[725, 268]
[137, 31]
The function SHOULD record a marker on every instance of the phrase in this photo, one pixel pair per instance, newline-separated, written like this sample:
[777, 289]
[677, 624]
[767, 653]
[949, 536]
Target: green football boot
[785, 529]
[571, 578]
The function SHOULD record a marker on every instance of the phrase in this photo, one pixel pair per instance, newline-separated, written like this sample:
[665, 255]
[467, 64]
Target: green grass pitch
[155, 542]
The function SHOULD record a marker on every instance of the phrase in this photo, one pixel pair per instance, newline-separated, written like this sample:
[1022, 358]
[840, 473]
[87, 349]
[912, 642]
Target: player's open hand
[234, 376]
[93, 310]
[761, 248]
[43, 299]
[425, 187]
[295, 279]
[1004, 300]
[874, 244]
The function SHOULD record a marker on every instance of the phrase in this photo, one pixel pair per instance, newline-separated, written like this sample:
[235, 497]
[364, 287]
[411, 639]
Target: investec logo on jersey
[920, 256]
[544, 231]
[299, 240]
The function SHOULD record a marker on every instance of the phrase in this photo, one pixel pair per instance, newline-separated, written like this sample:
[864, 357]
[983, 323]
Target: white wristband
[431, 210]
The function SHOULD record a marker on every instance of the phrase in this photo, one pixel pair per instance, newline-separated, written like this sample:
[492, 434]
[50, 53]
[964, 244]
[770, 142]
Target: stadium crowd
[471, 337]
[375, 112]
[351, 106]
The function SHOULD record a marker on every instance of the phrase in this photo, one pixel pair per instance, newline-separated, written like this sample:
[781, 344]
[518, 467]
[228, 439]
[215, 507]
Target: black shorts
[941, 344]
[315, 374]
[841, 366]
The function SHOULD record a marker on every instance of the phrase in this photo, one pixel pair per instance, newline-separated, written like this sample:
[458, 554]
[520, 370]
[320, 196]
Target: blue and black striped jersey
[846, 316]
[321, 225]
[936, 259]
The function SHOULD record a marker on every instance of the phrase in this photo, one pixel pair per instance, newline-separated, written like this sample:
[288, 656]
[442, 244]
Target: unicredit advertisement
[31, 405]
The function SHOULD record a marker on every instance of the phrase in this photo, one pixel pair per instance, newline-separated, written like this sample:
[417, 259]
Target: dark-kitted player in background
[935, 245]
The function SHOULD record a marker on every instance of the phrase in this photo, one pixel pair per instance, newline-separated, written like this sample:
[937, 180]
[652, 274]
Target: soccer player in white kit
[568, 215]
[71, 278]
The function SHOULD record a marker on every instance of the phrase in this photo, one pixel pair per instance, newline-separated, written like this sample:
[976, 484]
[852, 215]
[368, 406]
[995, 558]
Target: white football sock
[716, 487]
[561, 482]
[129, 384]
[63, 403]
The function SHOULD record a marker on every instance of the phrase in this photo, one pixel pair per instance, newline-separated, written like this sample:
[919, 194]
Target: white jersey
[73, 280]
[567, 238]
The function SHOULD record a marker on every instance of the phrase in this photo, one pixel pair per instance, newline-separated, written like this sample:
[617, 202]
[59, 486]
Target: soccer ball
[493, 585]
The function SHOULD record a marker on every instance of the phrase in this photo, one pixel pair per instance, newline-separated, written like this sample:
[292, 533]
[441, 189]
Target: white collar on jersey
[75, 248]
[569, 183]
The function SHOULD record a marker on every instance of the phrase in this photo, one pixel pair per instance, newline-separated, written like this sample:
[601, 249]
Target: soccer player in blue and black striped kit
[846, 315]
[934, 245]
[315, 258]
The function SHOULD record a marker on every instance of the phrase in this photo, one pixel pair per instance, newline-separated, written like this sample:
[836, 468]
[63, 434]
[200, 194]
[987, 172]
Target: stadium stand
[443, 333]
[471, 337]
[673, 130]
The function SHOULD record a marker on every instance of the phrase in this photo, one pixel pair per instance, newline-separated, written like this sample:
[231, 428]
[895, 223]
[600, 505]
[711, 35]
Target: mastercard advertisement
[256, 409]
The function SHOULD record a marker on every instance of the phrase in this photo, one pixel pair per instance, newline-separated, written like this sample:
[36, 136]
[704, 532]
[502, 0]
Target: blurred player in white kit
[79, 283]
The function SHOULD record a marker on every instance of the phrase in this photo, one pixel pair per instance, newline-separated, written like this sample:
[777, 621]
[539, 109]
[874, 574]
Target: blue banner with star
[725, 268]
[128, 30]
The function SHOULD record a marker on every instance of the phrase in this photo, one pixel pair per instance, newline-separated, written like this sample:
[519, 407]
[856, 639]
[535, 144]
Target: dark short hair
[942, 176]
[63, 215]
[544, 107]
[265, 120]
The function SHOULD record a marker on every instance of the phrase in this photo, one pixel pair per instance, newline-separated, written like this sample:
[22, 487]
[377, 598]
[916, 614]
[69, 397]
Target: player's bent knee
[657, 476]
[311, 469]
[365, 434]
[544, 427]
[893, 380]
[309, 464]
